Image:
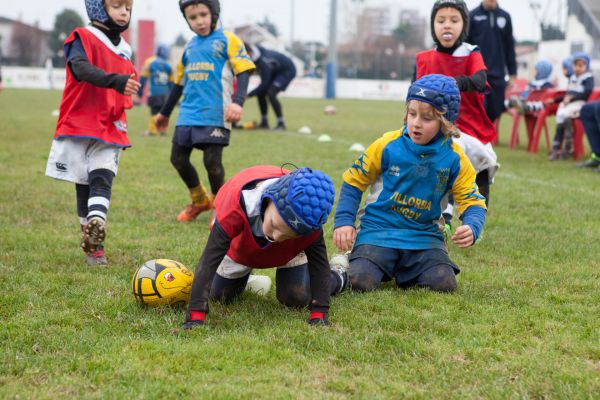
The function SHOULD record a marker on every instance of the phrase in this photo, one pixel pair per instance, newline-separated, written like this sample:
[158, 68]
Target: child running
[205, 75]
[267, 217]
[91, 131]
[410, 171]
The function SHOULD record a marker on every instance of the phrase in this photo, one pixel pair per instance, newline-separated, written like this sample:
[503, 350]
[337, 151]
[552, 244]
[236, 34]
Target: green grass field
[523, 324]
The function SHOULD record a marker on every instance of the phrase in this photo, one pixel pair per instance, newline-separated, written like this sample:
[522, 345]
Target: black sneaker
[280, 127]
[263, 125]
[192, 324]
[591, 163]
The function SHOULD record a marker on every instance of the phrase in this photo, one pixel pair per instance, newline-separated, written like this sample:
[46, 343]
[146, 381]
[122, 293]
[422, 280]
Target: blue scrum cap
[582, 55]
[544, 69]
[304, 199]
[95, 10]
[440, 91]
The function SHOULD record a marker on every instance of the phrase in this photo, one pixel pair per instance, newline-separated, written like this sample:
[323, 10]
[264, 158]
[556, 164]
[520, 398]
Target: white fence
[311, 88]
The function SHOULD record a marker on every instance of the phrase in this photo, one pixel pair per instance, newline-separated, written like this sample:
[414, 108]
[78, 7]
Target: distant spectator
[590, 117]
[276, 72]
[567, 66]
[581, 85]
[543, 73]
[491, 29]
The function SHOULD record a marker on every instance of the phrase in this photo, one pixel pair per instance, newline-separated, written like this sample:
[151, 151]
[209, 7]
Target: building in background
[23, 44]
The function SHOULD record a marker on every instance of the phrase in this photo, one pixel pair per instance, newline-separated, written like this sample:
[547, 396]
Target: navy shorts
[156, 102]
[200, 136]
[402, 265]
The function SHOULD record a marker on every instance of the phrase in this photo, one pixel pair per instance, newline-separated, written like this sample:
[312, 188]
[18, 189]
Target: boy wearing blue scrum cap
[579, 89]
[410, 172]
[267, 217]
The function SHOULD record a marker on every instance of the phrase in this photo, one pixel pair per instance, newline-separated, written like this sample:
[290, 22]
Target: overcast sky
[310, 16]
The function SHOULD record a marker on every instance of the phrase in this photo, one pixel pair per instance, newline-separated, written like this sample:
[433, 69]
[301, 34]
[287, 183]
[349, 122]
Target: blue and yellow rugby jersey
[408, 183]
[159, 74]
[206, 72]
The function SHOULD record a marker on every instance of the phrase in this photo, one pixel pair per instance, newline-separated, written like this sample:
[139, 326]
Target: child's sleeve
[363, 172]
[476, 79]
[471, 204]
[144, 75]
[237, 54]
[82, 70]
[319, 272]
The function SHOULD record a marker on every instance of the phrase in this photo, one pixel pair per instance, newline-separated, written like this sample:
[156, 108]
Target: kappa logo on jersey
[61, 166]
[218, 133]
[394, 171]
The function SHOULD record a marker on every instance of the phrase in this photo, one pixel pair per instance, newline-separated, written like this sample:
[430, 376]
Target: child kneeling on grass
[410, 172]
[267, 217]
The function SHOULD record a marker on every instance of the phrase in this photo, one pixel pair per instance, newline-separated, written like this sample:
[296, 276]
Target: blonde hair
[448, 128]
[128, 3]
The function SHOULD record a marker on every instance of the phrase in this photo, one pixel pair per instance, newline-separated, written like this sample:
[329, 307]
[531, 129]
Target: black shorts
[200, 136]
[156, 102]
[402, 265]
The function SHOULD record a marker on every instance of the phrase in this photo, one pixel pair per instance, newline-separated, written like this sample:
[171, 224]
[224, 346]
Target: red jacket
[90, 111]
[231, 217]
[472, 118]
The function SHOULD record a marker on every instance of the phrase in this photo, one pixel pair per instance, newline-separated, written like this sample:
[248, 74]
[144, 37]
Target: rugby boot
[97, 258]
[192, 210]
[94, 233]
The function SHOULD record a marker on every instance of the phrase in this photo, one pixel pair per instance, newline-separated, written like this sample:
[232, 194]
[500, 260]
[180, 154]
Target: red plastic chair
[536, 122]
[579, 132]
[519, 86]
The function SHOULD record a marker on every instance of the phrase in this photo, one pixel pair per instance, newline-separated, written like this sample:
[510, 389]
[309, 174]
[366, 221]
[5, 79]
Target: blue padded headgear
[162, 51]
[544, 69]
[568, 65]
[582, 55]
[95, 11]
[440, 91]
[304, 199]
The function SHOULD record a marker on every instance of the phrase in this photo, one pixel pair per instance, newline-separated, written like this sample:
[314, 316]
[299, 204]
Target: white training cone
[305, 130]
[259, 284]
[324, 138]
[357, 147]
[55, 113]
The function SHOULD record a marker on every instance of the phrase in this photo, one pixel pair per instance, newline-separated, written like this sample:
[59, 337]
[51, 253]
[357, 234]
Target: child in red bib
[91, 130]
[267, 217]
[462, 61]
